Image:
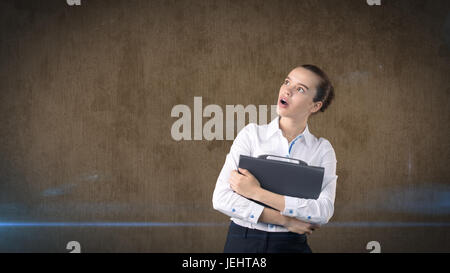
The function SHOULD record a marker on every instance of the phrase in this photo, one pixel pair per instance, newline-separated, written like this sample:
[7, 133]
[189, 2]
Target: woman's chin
[281, 112]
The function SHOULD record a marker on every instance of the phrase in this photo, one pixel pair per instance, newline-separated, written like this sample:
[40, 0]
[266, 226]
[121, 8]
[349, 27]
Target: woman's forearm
[271, 199]
[271, 216]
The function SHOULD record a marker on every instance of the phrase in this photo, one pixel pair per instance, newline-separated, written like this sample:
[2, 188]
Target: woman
[255, 228]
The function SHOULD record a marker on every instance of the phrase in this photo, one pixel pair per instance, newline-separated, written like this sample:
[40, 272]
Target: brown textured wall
[86, 94]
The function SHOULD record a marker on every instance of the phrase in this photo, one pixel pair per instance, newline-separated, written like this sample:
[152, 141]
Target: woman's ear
[317, 106]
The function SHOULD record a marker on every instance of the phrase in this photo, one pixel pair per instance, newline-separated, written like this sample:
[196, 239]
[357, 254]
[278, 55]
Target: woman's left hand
[244, 184]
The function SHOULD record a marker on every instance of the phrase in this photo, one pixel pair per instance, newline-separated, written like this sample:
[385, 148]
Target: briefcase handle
[285, 159]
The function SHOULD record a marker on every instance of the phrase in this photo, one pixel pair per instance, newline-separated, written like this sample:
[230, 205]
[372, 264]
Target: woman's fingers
[308, 230]
[232, 176]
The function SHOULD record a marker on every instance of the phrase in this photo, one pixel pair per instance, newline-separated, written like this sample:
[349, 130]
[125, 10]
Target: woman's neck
[291, 128]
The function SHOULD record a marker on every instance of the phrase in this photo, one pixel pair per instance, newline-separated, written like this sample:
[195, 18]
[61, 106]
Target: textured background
[86, 94]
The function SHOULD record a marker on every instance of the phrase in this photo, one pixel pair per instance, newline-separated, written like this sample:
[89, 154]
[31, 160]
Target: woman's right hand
[300, 227]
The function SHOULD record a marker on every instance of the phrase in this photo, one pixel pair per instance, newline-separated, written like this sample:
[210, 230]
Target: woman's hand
[244, 184]
[300, 227]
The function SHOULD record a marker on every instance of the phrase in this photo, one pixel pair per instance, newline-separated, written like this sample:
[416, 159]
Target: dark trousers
[246, 240]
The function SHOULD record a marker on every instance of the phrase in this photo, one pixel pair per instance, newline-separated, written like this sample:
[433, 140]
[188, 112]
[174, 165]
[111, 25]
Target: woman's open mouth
[283, 103]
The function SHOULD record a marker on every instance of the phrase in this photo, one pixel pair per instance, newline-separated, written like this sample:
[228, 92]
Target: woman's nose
[287, 91]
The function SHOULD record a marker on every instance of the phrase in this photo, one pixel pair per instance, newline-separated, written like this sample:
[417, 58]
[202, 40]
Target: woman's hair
[325, 90]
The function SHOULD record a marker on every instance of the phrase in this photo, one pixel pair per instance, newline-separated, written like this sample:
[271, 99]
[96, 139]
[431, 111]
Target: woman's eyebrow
[298, 83]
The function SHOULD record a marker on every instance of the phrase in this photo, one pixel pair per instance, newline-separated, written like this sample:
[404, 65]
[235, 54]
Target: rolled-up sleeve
[225, 199]
[321, 210]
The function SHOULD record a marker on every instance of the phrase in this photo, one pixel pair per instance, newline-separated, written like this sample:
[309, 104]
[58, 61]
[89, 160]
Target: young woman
[255, 228]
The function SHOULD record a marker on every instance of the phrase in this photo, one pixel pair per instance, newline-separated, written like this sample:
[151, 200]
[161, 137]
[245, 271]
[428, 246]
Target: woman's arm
[271, 216]
[224, 198]
[316, 211]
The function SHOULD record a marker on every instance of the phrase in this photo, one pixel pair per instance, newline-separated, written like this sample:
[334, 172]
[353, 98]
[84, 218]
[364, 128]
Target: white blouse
[254, 140]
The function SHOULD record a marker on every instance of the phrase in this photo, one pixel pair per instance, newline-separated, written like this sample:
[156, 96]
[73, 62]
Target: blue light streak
[200, 224]
[387, 224]
[108, 224]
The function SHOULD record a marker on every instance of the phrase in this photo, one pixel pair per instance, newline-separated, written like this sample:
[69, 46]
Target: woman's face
[295, 99]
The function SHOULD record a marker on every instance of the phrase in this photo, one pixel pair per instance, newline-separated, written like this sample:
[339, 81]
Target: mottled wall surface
[86, 94]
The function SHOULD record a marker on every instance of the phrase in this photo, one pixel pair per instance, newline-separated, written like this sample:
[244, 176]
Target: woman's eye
[301, 90]
[286, 82]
